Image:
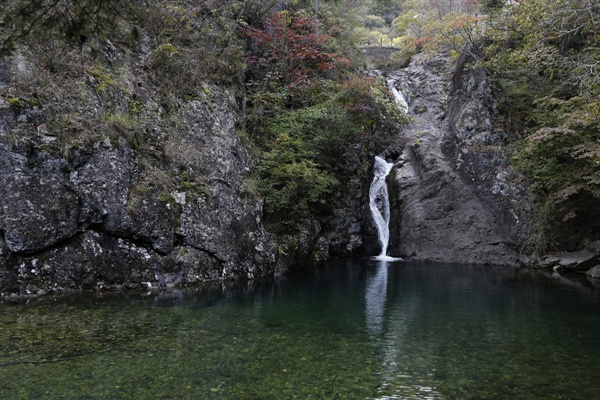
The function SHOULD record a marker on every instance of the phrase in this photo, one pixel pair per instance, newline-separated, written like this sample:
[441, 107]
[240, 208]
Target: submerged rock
[594, 272]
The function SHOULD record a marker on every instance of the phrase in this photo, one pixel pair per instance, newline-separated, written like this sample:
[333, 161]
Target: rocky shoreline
[586, 262]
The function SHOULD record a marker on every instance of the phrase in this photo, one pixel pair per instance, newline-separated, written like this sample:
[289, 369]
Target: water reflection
[439, 331]
[375, 298]
[358, 329]
[387, 324]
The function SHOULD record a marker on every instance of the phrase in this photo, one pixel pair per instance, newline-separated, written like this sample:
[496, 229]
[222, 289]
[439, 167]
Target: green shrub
[296, 172]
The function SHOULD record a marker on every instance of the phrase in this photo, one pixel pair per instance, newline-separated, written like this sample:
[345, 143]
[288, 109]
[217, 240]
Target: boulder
[579, 260]
[549, 262]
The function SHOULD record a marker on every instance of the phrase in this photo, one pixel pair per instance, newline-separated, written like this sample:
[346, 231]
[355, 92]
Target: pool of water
[362, 329]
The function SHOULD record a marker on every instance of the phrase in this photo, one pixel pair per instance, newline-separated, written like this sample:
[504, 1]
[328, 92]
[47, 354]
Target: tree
[288, 46]
[435, 24]
[386, 9]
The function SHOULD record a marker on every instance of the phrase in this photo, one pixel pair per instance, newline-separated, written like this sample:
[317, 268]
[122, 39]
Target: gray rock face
[109, 216]
[442, 210]
[223, 221]
[103, 185]
[438, 218]
[38, 211]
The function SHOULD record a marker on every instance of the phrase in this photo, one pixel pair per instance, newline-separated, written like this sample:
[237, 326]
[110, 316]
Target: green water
[353, 330]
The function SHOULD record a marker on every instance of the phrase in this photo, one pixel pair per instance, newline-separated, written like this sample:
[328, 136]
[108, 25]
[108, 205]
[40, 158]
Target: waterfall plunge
[380, 204]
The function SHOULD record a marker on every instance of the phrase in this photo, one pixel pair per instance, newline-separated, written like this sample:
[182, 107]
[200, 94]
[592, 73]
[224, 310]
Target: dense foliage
[545, 54]
[307, 108]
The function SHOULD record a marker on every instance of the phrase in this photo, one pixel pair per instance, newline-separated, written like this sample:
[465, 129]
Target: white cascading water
[380, 204]
[398, 96]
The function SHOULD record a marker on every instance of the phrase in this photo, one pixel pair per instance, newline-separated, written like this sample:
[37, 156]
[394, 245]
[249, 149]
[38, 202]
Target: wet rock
[351, 228]
[199, 266]
[98, 258]
[438, 218]
[99, 261]
[295, 250]
[92, 260]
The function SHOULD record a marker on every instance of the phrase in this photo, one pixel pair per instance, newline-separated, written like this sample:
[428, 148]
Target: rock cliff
[155, 201]
[451, 191]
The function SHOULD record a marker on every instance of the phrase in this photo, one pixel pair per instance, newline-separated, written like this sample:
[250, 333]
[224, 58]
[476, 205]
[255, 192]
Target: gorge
[247, 199]
[162, 155]
[85, 223]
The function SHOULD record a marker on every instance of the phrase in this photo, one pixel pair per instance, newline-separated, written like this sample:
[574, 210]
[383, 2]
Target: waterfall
[398, 96]
[380, 204]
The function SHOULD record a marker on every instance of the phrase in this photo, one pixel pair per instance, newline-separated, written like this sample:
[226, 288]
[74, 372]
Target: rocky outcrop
[121, 166]
[38, 210]
[450, 194]
[351, 219]
[108, 212]
[225, 221]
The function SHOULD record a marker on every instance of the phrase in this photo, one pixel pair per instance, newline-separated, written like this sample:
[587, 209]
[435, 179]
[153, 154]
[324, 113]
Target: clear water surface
[362, 329]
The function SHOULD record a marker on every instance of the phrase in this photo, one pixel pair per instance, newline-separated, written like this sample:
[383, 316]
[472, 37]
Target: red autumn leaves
[289, 47]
